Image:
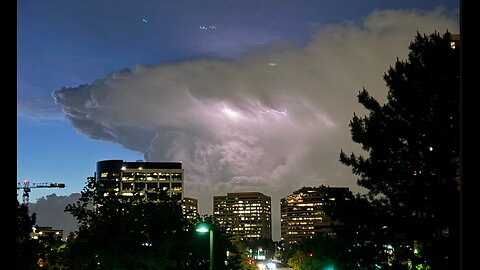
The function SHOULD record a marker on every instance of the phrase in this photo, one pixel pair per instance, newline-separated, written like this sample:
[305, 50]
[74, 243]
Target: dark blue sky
[65, 44]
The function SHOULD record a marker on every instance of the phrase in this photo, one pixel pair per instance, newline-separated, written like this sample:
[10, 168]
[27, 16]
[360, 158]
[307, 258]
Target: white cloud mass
[273, 120]
[50, 212]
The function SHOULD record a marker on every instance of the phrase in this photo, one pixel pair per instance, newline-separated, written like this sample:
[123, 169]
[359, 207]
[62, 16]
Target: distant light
[272, 64]
[144, 20]
[207, 27]
[271, 265]
[261, 266]
[430, 148]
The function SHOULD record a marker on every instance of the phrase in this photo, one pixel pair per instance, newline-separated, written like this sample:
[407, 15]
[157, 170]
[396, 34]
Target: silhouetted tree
[265, 244]
[241, 256]
[27, 249]
[199, 249]
[360, 237]
[126, 233]
[413, 162]
[133, 233]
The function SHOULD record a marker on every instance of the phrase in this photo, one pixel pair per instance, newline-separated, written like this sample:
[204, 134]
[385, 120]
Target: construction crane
[27, 186]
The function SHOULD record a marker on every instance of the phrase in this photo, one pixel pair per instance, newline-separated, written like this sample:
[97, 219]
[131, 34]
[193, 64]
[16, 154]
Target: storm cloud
[272, 120]
[50, 212]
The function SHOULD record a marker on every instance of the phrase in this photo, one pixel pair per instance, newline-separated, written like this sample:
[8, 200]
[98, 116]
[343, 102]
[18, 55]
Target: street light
[203, 228]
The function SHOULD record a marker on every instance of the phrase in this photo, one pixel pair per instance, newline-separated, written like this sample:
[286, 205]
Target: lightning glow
[284, 112]
[230, 113]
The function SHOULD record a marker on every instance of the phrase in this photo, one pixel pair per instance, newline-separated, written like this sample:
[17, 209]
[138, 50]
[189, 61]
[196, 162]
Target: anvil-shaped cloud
[272, 120]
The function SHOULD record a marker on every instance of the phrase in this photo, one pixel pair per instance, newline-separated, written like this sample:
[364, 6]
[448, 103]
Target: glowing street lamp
[203, 228]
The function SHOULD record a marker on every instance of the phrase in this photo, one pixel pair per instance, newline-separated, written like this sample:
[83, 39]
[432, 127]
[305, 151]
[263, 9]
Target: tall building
[140, 178]
[302, 213]
[244, 215]
[190, 209]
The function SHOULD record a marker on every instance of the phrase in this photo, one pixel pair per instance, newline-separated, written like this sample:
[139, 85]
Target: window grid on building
[244, 215]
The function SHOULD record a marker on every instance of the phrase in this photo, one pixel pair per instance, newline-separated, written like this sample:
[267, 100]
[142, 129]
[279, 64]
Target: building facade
[143, 179]
[244, 215]
[302, 213]
[190, 209]
[39, 231]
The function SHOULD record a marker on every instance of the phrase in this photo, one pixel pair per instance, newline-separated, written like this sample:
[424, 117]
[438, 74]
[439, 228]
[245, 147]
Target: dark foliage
[133, 233]
[27, 249]
[413, 163]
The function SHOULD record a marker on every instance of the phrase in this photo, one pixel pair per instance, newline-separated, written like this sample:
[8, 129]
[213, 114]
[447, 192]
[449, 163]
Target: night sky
[250, 95]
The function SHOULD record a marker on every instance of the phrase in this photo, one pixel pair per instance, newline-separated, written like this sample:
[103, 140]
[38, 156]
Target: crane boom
[27, 186]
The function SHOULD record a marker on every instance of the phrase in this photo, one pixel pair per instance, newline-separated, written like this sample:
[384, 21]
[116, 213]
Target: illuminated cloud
[271, 121]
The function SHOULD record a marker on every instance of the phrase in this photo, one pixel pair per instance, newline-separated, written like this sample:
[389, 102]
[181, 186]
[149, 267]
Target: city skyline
[250, 97]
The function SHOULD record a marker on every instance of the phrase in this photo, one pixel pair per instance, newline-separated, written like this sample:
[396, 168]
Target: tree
[413, 163]
[126, 233]
[241, 256]
[196, 252]
[27, 249]
[266, 244]
[360, 237]
[133, 233]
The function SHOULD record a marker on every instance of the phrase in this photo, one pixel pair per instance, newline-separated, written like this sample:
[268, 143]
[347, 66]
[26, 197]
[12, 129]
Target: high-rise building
[143, 179]
[302, 213]
[244, 215]
[190, 209]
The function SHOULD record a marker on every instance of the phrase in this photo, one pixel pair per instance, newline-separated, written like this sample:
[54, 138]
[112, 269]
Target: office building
[142, 179]
[190, 209]
[244, 215]
[302, 213]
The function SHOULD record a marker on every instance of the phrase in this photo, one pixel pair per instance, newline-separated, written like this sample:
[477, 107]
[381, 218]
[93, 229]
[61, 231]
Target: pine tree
[413, 146]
